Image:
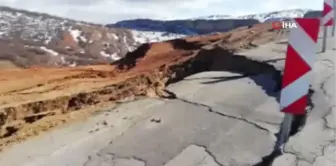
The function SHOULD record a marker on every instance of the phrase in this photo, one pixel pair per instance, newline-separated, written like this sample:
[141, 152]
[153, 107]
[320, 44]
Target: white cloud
[108, 11]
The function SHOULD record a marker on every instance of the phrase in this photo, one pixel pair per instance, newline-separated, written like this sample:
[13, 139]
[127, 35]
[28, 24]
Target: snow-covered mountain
[30, 38]
[214, 17]
[207, 24]
[262, 17]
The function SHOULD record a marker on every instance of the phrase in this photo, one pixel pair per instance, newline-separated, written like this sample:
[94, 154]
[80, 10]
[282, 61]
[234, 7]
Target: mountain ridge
[37, 39]
[208, 24]
[261, 17]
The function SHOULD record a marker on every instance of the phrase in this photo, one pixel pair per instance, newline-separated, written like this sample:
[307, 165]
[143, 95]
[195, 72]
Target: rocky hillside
[58, 95]
[35, 39]
[28, 38]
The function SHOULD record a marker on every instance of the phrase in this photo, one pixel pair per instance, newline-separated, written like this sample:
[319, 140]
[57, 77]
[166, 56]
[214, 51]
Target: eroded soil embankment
[56, 95]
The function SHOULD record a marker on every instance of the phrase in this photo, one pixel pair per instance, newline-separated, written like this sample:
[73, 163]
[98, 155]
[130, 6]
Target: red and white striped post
[300, 57]
[327, 20]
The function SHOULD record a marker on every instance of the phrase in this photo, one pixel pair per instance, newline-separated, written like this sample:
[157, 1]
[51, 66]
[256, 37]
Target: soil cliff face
[37, 99]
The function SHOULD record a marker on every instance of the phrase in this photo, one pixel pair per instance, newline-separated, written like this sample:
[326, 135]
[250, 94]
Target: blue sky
[109, 11]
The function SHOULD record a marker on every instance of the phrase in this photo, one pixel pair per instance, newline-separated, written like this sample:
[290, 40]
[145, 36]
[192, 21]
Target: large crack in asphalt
[330, 65]
[210, 109]
[210, 153]
[298, 121]
[110, 157]
[297, 124]
[264, 161]
[329, 97]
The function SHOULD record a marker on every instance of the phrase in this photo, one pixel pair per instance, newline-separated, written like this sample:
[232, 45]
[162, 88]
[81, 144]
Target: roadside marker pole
[324, 41]
[334, 23]
[327, 20]
[300, 57]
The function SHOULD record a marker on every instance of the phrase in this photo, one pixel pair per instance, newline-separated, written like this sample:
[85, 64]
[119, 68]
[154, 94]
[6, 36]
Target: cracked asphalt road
[222, 127]
[218, 119]
[315, 144]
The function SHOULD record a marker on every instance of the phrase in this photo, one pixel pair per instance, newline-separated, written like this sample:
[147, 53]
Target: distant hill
[207, 24]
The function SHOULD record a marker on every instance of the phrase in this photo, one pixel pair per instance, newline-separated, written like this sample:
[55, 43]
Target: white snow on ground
[63, 59]
[82, 51]
[115, 36]
[214, 17]
[113, 56]
[31, 26]
[52, 52]
[147, 36]
[139, 37]
[77, 35]
[48, 40]
[296, 13]
[83, 38]
[260, 16]
[73, 64]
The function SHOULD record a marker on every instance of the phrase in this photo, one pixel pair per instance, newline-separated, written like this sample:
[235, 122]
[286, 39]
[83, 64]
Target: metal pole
[285, 130]
[324, 43]
[333, 27]
[333, 30]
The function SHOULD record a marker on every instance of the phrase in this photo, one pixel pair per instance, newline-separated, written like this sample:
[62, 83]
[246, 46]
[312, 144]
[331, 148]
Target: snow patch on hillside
[262, 17]
[149, 37]
[113, 56]
[214, 17]
[51, 52]
[77, 35]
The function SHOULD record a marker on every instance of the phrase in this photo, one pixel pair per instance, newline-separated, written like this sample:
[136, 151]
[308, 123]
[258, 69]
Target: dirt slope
[37, 99]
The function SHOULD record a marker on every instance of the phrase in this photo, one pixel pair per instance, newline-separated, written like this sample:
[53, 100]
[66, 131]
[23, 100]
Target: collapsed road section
[35, 100]
[227, 114]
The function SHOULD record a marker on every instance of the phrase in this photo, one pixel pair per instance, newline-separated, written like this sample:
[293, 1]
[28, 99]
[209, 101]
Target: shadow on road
[269, 82]
[263, 74]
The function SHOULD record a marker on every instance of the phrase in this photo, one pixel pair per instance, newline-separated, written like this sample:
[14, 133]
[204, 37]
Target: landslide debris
[37, 99]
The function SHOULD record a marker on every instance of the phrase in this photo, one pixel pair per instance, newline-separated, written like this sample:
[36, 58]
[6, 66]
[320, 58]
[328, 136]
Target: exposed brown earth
[37, 99]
